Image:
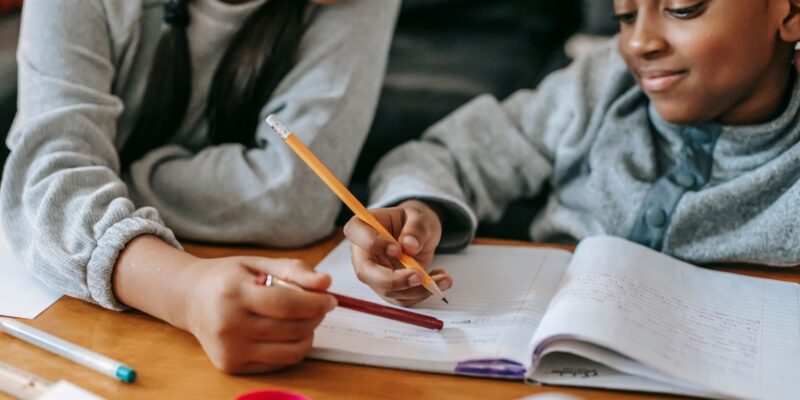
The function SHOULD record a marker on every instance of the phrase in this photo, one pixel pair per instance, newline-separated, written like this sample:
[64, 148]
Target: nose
[646, 40]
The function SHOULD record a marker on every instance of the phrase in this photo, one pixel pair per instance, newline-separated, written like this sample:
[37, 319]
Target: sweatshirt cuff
[459, 223]
[100, 270]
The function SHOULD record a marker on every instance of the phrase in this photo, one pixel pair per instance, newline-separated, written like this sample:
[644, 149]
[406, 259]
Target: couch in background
[9, 32]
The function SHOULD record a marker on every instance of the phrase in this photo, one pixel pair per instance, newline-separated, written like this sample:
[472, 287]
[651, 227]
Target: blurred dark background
[445, 52]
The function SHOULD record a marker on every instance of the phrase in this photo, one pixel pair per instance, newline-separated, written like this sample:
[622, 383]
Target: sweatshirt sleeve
[66, 210]
[488, 153]
[266, 195]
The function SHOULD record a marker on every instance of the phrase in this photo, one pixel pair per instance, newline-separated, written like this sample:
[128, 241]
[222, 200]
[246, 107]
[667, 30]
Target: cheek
[721, 72]
[725, 59]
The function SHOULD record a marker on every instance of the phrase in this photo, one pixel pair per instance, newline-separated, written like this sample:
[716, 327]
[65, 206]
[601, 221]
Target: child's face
[708, 60]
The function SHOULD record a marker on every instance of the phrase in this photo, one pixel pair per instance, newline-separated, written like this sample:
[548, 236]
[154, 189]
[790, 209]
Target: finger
[388, 262]
[262, 329]
[363, 236]
[442, 280]
[417, 232]
[423, 224]
[290, 269]
[437, 275]
[283, 303]
[359, 257]
[418, 293]
[281, 353]
[382, 279]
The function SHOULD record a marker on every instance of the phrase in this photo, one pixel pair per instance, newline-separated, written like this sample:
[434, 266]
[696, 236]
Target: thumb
[293, 270]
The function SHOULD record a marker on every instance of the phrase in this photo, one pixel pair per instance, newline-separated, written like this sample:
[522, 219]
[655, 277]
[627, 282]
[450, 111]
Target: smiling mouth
[660, 81]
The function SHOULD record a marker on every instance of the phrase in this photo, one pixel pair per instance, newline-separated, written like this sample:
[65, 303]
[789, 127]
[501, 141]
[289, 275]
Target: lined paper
[733, 334]
[498, 297]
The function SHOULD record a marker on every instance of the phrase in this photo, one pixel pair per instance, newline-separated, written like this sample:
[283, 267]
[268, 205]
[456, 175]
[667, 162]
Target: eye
[625, 18]
[687, 12]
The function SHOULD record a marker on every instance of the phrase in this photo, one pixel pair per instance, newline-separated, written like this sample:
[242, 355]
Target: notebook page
[498, 297]
[733, 334]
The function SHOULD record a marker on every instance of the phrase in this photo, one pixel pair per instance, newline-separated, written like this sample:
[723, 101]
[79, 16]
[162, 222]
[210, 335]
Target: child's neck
[767, 103]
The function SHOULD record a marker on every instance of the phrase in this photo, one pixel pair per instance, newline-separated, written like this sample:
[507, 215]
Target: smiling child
[682, 136]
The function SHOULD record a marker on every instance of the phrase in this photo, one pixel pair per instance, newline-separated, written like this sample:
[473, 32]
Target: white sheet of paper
[497, 300]
[21, 295]
[65, 390]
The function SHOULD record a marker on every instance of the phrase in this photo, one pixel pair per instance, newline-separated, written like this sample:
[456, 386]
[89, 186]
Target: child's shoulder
[603, 51]
[78, 17]
[601, 69]
[594, 81]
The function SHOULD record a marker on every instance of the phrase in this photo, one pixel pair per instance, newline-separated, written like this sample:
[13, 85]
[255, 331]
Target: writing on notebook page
[482, 328]
[490, 322]
[448, 337]
[676, 327]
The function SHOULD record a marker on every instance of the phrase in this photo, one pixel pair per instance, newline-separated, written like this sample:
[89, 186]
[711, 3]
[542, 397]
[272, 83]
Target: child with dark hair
[141, 120]
[683, 136]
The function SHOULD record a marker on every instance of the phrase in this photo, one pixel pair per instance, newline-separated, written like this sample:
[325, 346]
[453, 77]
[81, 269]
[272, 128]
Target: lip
[661, 80]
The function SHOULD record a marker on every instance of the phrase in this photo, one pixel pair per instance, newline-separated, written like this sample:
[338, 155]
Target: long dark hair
[260, 55]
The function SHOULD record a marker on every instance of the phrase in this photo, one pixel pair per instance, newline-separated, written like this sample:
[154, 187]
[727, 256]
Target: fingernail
[392, 250]
[414, 280]
[411, 242]
[332, 303]
[444, 285]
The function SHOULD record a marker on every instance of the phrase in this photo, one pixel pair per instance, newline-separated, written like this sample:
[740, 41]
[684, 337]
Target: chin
[683, 113]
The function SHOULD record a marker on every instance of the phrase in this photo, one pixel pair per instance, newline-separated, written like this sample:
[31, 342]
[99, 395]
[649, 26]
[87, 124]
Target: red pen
[364, 306]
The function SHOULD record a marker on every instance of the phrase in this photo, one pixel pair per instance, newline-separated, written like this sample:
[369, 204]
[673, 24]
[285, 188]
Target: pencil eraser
[277, 126]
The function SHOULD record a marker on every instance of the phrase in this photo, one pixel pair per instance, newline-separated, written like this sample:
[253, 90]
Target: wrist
[150, 276]
[178, 298]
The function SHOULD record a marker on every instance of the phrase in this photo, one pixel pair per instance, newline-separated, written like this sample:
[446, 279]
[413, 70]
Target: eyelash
[624, 18]
[683, 13]
[687, 12]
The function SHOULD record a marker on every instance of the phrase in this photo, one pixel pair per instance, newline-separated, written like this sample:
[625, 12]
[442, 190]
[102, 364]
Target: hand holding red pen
[364, 306]
[247, 328]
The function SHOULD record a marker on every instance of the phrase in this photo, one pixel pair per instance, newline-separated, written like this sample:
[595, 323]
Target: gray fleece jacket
[82, 72]
[703, 193]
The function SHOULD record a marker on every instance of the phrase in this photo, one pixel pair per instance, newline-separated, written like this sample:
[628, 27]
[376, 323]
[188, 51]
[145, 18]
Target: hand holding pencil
[418, 230]
[403, 287]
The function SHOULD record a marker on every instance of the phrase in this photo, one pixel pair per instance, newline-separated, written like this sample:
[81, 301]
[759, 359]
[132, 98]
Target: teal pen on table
[70, 351]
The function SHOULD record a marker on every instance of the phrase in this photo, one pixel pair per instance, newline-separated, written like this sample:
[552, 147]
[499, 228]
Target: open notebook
[613, 315]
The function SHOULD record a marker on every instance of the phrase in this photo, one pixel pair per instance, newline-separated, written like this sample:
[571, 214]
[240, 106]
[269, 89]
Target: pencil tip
[444, 299]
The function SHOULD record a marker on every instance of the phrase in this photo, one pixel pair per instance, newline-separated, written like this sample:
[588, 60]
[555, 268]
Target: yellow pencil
[358, 209]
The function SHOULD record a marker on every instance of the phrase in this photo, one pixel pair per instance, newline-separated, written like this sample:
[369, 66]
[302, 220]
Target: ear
[790, 26]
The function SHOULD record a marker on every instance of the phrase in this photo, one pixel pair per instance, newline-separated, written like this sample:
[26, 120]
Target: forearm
[150, 275]
[247, 203]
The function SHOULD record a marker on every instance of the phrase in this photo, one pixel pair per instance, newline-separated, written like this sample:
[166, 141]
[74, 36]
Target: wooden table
[171, 364]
